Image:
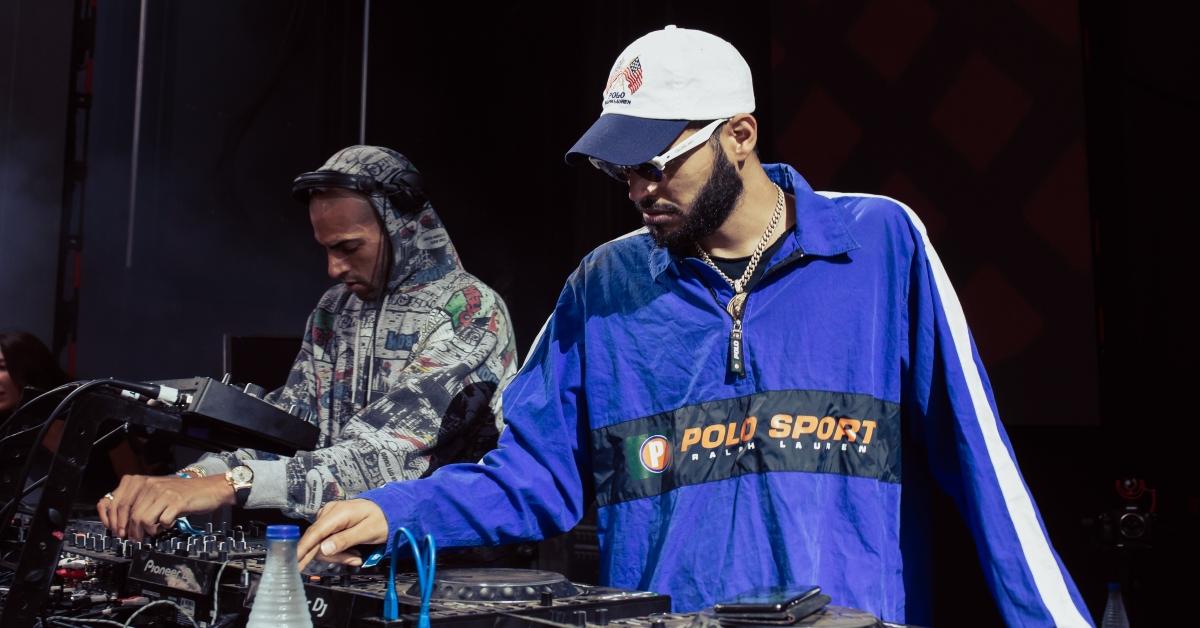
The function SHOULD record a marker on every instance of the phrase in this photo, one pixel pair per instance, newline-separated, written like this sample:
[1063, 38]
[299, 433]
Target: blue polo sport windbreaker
[861, 382]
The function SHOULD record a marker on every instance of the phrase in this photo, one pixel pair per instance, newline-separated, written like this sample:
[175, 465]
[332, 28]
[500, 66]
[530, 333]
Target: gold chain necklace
[736, 304]
[734, 307]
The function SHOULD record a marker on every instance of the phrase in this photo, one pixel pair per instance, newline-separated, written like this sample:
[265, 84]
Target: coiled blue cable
[426, 571]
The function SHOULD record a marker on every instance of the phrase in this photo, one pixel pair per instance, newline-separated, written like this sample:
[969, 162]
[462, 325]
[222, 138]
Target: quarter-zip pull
[737, 363]
[736, 308]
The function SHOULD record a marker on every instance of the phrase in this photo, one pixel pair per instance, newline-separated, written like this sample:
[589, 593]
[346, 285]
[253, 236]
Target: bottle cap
[287, 532]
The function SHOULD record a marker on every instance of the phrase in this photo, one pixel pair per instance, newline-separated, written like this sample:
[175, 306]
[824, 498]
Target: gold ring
[109, 497]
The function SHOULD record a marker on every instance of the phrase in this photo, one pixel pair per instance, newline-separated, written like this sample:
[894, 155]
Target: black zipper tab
[737, 364]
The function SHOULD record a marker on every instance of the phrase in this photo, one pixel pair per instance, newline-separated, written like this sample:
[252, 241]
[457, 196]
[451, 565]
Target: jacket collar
[820, 227]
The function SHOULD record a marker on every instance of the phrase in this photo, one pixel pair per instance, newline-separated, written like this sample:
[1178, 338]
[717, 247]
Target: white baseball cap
[660, 83]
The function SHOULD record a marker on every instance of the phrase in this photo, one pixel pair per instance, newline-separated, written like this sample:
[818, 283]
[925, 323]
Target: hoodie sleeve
[951, 408]
[533, 484]
[440, 397]
[295, 396]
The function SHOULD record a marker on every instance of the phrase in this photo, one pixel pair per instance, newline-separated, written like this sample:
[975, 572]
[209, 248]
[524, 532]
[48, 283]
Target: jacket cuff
[390, 500]
[270, 484]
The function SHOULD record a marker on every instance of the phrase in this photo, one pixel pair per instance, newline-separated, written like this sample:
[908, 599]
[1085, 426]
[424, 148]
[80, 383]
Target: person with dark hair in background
[398, 364]
[756, 388]
[24, 361]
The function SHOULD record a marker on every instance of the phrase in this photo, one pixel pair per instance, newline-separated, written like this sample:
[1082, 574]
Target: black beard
[712, 207]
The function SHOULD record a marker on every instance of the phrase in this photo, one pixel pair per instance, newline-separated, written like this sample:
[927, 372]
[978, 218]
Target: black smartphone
[800, 610]
[772, 600]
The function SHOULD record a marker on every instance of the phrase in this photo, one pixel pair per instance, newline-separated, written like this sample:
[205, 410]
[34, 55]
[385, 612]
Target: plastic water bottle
[1114, 609]
[280, 601]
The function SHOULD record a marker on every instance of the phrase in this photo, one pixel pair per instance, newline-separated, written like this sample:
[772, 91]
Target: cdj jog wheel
[497, 585]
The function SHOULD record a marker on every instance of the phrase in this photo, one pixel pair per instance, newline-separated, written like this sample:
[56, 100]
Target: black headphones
[405, 191]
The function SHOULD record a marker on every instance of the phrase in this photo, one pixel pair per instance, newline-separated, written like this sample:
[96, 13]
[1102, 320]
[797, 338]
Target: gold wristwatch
[241, 479]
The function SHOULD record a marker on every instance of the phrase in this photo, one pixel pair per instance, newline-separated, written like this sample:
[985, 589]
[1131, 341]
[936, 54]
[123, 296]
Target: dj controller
[99, 576]
[220, 570]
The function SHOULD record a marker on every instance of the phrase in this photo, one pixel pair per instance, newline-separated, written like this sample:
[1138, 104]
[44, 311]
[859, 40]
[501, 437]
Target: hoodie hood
[398, 386]
[421, 248]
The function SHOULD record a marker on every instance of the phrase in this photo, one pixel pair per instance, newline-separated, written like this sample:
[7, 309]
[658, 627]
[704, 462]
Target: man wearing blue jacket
[750, 387]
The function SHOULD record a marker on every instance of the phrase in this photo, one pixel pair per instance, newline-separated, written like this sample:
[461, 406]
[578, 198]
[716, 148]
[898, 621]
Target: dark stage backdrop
[972, 113]
[35, 49]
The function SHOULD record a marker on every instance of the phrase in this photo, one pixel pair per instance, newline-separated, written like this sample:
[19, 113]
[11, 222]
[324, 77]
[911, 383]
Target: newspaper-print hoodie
[399, 385]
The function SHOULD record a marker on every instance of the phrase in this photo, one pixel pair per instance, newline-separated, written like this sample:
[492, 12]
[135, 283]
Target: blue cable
[185, 526]
[427, 590]
[425, 577]
[391, 602]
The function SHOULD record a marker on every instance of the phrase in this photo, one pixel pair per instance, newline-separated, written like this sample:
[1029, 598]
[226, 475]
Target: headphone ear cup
[404, 201]
[409, 195]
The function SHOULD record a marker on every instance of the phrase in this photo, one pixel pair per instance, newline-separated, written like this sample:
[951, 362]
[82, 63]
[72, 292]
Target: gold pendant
[734, 307]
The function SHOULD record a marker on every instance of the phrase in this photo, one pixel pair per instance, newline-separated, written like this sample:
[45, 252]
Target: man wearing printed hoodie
[397, 367]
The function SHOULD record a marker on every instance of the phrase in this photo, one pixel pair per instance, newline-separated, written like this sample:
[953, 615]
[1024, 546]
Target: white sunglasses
[653, 170]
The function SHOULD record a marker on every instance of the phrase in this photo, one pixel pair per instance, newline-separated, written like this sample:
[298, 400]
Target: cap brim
[625, 140]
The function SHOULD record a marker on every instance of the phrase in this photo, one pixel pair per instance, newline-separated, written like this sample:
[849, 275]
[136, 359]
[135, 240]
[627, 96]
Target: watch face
[242, 475]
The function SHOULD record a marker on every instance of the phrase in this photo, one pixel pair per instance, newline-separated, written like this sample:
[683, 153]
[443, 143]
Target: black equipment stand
[217, 416]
